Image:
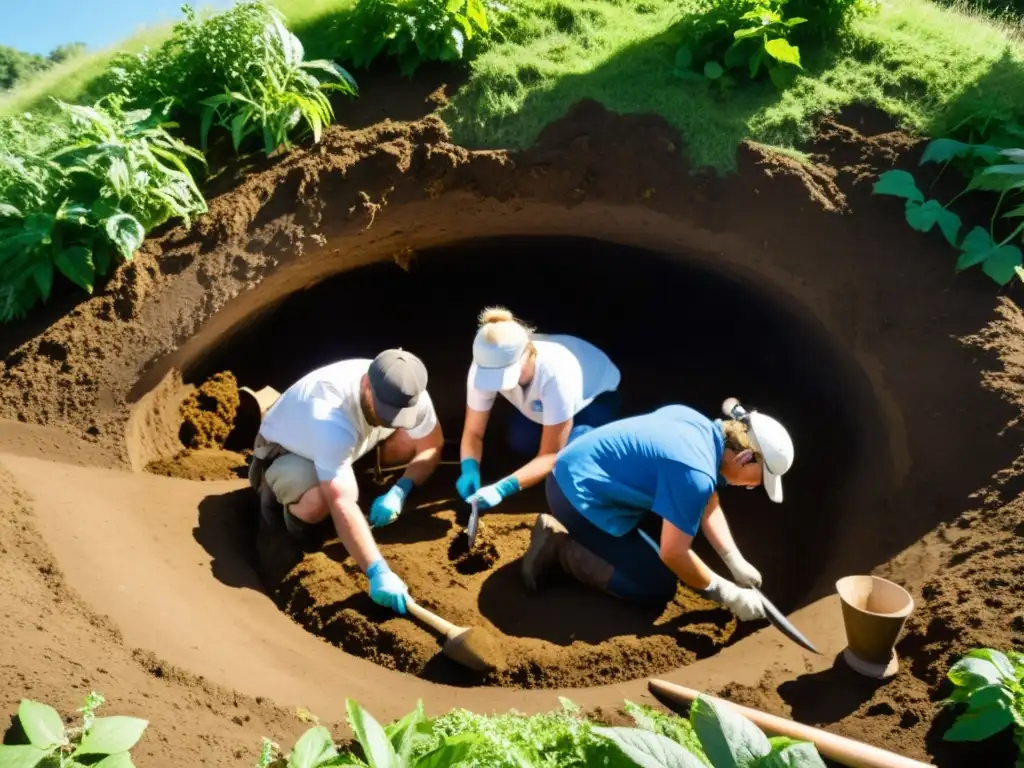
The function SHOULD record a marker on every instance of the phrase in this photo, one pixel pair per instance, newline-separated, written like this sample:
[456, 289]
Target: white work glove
[745, 574]
[746, 604]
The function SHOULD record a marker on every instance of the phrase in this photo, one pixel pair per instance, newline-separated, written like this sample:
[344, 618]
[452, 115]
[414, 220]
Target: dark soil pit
[672, 329]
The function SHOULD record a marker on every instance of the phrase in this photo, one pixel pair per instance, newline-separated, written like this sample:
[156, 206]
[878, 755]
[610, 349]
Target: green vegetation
[414, 31]
[242, 70]
[81, 192]
[991, 685]
[715, 735]
[103, 742]
[17, 67]
[988, 168]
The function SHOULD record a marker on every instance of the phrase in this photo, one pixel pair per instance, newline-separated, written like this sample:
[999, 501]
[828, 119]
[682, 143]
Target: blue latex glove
[386, 588]
[387, 507]
[492, 495]
[469, 480]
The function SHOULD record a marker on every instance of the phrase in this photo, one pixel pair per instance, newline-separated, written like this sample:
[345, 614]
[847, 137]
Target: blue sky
[39, 26]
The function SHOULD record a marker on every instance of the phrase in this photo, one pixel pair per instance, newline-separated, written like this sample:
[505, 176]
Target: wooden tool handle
[432, 620]
[855, 754]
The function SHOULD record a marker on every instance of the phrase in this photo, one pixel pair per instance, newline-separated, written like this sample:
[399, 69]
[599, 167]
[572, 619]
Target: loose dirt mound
[566, 636]
[208, 416]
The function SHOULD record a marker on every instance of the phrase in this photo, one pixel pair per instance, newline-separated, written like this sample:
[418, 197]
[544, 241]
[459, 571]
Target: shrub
[729, 40]
[991, 685]
[241, 70]
[80, 193]
[416, 31]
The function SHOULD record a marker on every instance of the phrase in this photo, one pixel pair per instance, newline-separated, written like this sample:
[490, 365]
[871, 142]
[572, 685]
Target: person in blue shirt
[668, 462]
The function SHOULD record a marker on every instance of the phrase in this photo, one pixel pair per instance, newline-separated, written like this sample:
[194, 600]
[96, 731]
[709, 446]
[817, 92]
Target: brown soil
[570, 638]
[202, 464]
[208, 414]
[905, 388]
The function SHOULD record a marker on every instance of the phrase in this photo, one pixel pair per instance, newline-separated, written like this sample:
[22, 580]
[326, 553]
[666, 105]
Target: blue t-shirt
[666, 462]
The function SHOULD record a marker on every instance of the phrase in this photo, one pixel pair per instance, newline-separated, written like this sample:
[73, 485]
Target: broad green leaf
[684, 57]
[898, 184]
[649, 750]
[974, 673]
[126, 233]
[1015, 213]
[477, 12]
[988, 696]
[795, 21]
[313, 747]
[713, 70]
[924, 216]
[401, 733]
[1014, 155]
[998, 178]
[944, 150]
[41, 723]
[793, 755]
[978, 726]
[728, 738]
[1001, 266]
[120, 760]
[206, 124]
[238, 131]
[6, 209]
[998, 658]
[743, 34]
[375, 743]
[20, 756]
[110, 735]
[453, 750]
[42, 274]
[780, 50]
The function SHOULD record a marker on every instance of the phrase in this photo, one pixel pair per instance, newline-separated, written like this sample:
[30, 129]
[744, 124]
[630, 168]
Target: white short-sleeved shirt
[569, 374]
[320, 418]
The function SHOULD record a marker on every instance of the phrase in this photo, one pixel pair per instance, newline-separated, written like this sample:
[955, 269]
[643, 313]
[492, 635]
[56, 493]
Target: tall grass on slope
[928, 66]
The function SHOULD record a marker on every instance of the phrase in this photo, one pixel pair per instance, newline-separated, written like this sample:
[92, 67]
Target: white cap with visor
[770, 439]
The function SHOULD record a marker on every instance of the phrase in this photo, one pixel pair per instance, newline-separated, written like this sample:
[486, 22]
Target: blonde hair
[499, 322]
[737, 436]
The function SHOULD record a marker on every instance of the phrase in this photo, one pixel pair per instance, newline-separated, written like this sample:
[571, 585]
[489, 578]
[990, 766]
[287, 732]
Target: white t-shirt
[319, 417]
[569, 374]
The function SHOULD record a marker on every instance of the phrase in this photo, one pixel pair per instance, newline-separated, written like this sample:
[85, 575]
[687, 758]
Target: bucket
[252, 407]
[874, 612]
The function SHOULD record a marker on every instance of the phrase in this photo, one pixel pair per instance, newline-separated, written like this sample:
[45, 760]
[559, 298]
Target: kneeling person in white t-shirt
[561, 386]
[329, 419]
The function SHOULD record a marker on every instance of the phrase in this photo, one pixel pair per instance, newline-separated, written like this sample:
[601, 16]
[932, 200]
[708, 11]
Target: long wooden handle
[855, 754]
[446, 628]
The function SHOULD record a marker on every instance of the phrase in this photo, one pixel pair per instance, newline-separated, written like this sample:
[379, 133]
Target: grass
[926, 65]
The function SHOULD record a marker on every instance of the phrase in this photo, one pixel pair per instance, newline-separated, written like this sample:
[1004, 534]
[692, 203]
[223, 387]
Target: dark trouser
[524, 435]
[639, 572]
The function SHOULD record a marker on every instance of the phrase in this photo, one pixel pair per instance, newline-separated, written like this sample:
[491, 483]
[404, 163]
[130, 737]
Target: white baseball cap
[771, 440]
[498, 351]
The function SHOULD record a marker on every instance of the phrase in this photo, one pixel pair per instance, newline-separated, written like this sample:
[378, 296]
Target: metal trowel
[775, 616]
[474, 520]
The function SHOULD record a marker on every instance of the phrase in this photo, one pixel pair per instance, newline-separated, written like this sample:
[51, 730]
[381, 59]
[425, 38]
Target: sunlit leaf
[650, 750]
[312, 748]
[729, 739]
[125, 231]
[375, 743]
[110, 735]
[21, 756]
[781, 50]
[41, 723]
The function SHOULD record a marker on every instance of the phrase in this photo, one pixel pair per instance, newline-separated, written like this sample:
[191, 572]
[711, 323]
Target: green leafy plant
[727, 739]
[991, 685]
[415, 31]
[240, 70]
[383, 747]
[740, 35]
[988, 168]
[81, 194]
[103, 742]
[287, 93]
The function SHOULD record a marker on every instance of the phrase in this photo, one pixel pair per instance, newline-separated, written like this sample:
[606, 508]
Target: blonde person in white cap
[668, 463]
[560, 386]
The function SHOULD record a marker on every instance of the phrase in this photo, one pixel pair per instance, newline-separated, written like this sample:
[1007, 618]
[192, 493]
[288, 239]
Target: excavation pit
[679, 332]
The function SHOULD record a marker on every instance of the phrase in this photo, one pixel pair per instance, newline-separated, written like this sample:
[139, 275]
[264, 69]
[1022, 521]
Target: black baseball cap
[397, 378]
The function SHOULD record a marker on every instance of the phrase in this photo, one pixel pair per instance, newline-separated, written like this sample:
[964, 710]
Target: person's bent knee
[660, 588]
[296, 486]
